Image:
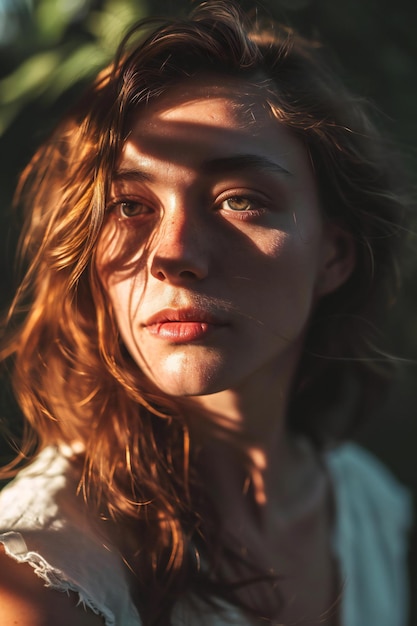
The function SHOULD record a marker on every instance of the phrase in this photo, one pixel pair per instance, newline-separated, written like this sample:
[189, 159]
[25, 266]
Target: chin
[188, 388]
[181, 376]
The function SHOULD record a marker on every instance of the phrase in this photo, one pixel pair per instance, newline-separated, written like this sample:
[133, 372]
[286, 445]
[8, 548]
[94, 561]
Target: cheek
[285, 282]
[121, 286]
[286, 254]
[121, 251]
[125, 303]
[124, 295]
[119, 266]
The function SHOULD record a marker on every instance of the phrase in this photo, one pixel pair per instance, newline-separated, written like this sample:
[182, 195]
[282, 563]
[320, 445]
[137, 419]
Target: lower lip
[182, 332]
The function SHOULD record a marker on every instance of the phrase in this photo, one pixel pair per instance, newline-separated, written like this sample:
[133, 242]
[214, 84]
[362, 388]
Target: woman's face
[214, 249]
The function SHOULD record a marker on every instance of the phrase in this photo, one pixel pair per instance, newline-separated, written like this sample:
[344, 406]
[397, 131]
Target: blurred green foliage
[64, 43]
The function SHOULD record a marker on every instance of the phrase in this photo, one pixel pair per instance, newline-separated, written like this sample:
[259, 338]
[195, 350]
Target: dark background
[49, 49]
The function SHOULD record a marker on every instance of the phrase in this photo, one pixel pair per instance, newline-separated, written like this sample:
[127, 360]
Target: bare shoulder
[25, 601]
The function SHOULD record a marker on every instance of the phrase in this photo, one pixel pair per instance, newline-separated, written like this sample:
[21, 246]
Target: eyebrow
[222, 165]
[243, 161]
[135, 175]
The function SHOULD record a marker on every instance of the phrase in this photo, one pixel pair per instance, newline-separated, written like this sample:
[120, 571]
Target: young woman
[210, 234]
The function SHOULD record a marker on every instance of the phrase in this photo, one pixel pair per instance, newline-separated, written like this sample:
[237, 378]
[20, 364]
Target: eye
[239, 203]
[130, 208]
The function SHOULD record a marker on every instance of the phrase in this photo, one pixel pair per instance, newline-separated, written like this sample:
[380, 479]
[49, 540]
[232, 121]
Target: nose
[179, 251]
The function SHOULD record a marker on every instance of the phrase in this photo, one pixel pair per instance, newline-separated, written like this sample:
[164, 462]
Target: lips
[183, 325]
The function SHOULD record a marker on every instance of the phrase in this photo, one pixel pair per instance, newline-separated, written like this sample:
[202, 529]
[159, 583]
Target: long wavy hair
[71, 374]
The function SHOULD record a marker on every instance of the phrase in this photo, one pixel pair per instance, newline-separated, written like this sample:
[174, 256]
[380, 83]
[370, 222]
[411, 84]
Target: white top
[44, 523]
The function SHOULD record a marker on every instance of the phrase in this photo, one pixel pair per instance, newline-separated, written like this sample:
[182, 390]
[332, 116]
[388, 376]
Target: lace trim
[15, 547]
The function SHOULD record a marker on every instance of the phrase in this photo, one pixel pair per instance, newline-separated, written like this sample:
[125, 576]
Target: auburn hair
[72, 376]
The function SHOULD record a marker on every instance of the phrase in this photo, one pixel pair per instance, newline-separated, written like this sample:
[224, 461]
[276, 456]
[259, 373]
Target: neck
[245, 464]
[255, 412]
[245, 449]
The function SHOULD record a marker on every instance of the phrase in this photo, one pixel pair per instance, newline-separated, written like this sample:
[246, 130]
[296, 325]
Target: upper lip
[189, 314]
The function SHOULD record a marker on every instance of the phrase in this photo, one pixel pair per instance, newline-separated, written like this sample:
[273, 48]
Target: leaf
[82, 63]
[110, 24]
[53, 16]
[30, 79]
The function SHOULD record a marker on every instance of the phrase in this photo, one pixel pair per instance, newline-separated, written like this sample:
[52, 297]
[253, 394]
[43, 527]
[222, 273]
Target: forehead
[198, 98]
[209, 117]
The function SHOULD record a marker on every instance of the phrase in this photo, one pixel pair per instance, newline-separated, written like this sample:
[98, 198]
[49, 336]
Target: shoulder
[48, 532]
[24, 600]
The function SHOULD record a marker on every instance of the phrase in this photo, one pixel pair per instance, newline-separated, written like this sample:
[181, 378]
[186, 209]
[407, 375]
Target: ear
[338, 259]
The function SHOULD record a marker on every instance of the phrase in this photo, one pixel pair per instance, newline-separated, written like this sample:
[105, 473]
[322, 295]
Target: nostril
[160, 275]
[180, 265]
[183, 275]
[187, 274]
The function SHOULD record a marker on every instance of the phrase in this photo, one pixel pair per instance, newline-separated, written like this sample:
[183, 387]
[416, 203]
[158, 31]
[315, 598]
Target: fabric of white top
[44, 523]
